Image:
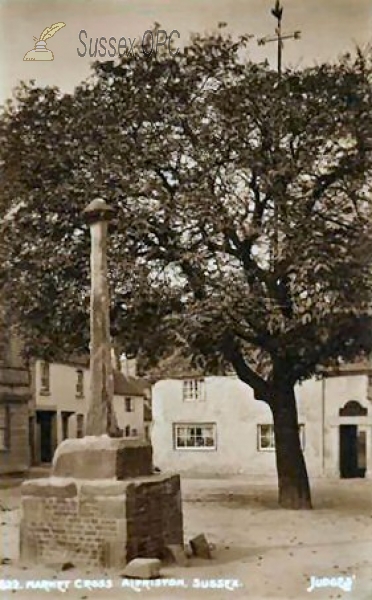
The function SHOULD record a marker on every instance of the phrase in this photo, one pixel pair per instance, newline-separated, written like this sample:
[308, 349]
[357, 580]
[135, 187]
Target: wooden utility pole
[279, 38]
[101, 417]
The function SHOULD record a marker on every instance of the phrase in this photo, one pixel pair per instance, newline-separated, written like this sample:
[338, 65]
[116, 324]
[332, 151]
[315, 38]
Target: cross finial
[277, 12]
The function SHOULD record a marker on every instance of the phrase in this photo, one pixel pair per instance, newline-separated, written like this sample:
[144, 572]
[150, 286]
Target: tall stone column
[101, 418]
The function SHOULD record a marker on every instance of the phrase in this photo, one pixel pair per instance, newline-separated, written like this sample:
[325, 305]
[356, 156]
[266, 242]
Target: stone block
[50, 487]
[28, 544]
[176, 554]
[33, 509]
[121, 530]
[98, 529]
[87, 508]
[113, 508]
[200, 546]
[114, 554]
[11, 376]
[107, 488]
[67, 566]
[143, 568]
[102, 457]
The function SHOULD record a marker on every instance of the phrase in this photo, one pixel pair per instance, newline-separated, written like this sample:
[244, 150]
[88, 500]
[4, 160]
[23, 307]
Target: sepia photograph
[186, 299]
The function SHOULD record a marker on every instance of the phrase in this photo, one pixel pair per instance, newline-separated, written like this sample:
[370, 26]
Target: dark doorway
[45, 420]
[65, 416]
[362, 453]
[352, 452]
[31, 439]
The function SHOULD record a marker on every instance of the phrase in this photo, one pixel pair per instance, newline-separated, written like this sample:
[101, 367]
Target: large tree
[242, 232]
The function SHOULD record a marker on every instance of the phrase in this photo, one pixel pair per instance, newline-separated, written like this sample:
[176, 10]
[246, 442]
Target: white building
[129, 405]
[214, 425]
[61, 399]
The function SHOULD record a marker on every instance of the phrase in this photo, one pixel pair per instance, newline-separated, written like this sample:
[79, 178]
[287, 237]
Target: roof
[175, 366]
[78, 361]
[127, 386]
[141, 383]
[179, 366]
[74, 361]
[356, 368]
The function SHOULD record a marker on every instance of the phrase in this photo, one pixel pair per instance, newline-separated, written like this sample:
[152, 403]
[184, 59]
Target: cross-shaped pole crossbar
[277, 11]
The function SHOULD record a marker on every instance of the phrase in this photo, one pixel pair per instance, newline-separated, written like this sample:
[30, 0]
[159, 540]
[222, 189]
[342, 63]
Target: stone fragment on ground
[177, 554]
[143, 568]
[200, 547]
[67, 566]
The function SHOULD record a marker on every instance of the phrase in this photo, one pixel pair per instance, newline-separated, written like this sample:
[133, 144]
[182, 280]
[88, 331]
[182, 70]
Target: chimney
[128, 366]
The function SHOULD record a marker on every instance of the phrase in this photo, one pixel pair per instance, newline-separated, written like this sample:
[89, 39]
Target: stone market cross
[101, 417]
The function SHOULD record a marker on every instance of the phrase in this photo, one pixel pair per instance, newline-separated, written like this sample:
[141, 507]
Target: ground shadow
[266, 499]
[353, 497]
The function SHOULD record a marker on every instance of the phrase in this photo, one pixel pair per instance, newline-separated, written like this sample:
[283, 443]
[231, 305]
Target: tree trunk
[294, 489]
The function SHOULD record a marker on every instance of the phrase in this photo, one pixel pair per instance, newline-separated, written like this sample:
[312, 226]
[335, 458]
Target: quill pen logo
[41, 52]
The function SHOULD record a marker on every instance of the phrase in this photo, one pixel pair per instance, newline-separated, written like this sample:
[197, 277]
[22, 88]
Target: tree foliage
[242, 209]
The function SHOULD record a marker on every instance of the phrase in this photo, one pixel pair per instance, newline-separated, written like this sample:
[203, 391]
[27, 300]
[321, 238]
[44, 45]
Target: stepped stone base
[103, 521]
[102, 457]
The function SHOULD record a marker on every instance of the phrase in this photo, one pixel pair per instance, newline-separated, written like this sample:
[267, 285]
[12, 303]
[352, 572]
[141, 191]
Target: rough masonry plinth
[102, 457]
[115, 514]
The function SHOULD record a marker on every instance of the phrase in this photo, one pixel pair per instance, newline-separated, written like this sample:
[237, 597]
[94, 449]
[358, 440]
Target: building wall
[15, 395]
[230, 404]
[61, 398]
[338, 391]
[133, 419]
[62, 387]
[16, 459]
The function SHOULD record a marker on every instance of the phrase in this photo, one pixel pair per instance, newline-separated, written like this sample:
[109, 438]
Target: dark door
[348, 451]
[362, 453]
[65, 424]
[31, 439]
[45, 420]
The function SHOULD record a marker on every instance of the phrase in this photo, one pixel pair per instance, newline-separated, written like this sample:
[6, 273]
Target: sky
[328, 28]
